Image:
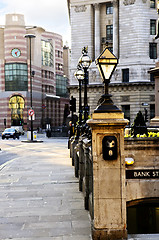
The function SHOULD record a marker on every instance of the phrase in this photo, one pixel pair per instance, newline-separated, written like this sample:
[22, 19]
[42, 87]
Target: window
[61, 86]
[152, 27]
[152, 111]
[16, 77]
[16, 104]
[15, 18]
[109, 32]
[152, 78]
[153, 50]
[125, 75]
[109, 8]
[126, 110]
[47, 53]
[152, 4]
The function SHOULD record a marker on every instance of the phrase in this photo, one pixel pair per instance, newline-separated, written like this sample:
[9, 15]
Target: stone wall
[145, 153]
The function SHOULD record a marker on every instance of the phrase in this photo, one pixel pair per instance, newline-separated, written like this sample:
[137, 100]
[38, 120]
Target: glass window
[152, 111]
[152, 27]
[152, 4]
[109, 8]
[16, 77]
[61, 86]
[16, 104]
[109, 32]
[153, 50]
[126, 110]
[125, 75]
[47, 53]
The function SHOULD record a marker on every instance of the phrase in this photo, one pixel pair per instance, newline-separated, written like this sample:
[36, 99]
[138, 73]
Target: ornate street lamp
[79, 74]
[85, 62]
[106, 63]
[30, 36]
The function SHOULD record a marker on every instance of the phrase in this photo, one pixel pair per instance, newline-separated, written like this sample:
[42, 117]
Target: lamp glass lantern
[85, 60]
[106, 63]
[79, 74]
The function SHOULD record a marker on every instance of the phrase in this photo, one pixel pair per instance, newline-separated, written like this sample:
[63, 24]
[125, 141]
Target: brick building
[50, 99]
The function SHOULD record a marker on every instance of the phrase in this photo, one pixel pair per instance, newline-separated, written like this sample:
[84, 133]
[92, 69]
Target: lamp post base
[106, 105]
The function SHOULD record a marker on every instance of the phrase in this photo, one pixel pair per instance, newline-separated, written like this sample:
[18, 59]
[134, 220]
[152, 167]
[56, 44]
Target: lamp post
[106, 63]
[85, 62]
[79, 74]
[30, 36]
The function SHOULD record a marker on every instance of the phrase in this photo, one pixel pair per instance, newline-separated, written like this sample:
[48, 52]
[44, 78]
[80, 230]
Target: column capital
[96, 6]
[115, 3]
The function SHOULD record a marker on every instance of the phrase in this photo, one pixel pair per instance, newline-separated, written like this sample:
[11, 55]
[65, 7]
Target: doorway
[16, 104]
[143, 218]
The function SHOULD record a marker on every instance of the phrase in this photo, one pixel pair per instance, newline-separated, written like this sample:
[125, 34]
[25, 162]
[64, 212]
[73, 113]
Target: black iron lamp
[79, 74]
[106, 63]
[85, 62]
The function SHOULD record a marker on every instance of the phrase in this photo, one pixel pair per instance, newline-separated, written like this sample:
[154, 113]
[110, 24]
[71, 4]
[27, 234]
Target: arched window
[16, 104]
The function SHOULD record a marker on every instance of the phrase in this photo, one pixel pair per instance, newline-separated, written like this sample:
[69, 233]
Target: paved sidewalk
[39, 196]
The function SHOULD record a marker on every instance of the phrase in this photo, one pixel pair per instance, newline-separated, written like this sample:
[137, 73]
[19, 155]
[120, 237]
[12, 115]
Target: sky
[52, 15]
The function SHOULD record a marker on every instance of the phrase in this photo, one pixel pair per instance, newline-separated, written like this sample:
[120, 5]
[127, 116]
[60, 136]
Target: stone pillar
[109, 198]
[97, 29]
[116, 28]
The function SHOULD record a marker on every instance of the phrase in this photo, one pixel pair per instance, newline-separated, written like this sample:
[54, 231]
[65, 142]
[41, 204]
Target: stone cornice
[129, 84]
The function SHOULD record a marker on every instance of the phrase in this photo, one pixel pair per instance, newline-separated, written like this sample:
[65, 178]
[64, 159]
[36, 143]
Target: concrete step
[143, 236]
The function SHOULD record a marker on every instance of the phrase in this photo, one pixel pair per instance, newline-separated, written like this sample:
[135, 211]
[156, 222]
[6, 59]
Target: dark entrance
[143, 218]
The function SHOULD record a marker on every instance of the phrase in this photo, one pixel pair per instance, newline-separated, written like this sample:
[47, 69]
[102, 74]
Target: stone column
[109, 197]
[116, 28]
[97, 29]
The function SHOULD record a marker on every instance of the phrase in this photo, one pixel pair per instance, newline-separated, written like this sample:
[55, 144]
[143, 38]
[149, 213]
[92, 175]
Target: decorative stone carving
[81, 8]
[128, 2]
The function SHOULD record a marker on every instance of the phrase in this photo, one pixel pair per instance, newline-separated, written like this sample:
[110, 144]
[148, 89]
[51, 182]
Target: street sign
[33, 117]
[31, 112]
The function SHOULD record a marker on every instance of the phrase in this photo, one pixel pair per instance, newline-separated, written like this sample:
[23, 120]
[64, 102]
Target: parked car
[10, 133]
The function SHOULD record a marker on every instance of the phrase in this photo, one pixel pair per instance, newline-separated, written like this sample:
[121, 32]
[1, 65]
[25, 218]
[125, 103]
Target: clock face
[16, 52]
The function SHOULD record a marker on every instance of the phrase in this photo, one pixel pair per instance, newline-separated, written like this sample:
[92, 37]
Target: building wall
[137, 149]
[131, 38]
[132, 95]
[44, 97]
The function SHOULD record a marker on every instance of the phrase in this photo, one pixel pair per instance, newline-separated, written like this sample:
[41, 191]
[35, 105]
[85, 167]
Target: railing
[81, 154]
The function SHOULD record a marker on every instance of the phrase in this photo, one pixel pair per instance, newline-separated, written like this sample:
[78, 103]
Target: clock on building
[16, 52]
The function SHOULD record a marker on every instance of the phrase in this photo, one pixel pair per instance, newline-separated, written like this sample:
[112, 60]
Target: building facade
[46, 55]
[128, 28]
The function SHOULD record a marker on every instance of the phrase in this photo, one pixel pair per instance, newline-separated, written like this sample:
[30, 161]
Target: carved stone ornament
[128, 2]
[81, 8]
